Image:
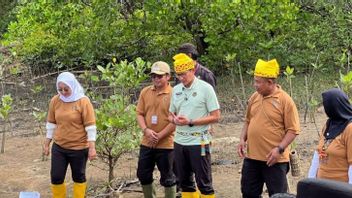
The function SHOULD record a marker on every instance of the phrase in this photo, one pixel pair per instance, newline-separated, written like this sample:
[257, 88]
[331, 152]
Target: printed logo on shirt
[166, 98]
[178, 93]
[178, 96]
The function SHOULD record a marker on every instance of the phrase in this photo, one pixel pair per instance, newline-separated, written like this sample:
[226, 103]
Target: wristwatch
[281, 150]
[190, 124]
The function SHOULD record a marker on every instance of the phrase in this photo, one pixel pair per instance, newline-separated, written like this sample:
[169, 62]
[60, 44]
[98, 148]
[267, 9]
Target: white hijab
[70, 80]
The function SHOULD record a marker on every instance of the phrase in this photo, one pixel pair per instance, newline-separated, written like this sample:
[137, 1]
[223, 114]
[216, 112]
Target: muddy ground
[22, 168]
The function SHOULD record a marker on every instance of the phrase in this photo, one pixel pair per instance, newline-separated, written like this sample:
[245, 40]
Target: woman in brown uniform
[71, 124]
[333, 157]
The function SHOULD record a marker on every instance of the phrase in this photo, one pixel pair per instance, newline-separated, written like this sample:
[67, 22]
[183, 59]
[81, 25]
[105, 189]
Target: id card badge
[154, 119]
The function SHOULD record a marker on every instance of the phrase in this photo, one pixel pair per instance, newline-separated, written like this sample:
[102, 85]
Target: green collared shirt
[194, 102]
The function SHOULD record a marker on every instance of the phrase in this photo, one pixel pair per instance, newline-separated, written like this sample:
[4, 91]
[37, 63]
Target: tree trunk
[3, 140]
[111, 169]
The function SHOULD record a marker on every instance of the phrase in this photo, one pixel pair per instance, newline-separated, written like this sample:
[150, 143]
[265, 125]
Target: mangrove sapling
[118, 132]
[5, 109]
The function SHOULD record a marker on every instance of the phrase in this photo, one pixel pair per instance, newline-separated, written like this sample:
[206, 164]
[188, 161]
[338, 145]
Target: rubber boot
[190, 194]
[79, 190]
[149, 191]
[170, 192]
[207, 196]
[59, 190]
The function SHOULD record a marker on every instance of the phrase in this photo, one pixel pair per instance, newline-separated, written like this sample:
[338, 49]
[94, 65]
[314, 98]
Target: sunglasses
[63, 89]
[156, 76]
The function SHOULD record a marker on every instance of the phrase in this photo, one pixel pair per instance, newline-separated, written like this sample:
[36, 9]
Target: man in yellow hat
[270, 126]
[201, 71]
[193, 107]
[158, 133]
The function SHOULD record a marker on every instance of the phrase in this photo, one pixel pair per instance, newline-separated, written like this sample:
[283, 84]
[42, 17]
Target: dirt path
[23, 170]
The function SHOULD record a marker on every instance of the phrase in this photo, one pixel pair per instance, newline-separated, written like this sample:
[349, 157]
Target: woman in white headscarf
[71, 126]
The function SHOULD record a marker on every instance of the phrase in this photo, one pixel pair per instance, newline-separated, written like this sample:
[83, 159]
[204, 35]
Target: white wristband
[50, 129]
[313, 170]
[91, 132]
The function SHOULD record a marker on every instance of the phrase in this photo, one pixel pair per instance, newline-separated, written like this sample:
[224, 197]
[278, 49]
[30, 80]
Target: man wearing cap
[194, 106]
[271, 124]
[158, 133]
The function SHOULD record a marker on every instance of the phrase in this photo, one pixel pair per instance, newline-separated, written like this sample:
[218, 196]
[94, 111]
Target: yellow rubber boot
[190, 194]
[79, 190]
[207, 196]
[59, 190]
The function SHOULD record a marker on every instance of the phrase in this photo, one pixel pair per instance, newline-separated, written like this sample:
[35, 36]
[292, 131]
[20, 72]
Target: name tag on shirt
[154, 119]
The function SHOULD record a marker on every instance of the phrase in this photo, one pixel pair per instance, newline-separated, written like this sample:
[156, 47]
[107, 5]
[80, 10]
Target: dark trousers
[163, 158]
[61, 158]
[255, 173]
[190, 163]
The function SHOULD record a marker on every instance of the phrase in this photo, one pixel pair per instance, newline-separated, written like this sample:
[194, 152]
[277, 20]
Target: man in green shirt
[194, 106]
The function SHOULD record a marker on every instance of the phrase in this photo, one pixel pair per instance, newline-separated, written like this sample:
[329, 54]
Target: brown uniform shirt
[335, 161]
[71, 118]
[154, 105]
[269, 118]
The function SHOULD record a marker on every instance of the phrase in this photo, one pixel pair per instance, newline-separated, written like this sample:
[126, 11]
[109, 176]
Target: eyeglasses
[156, 76]
[63, 89]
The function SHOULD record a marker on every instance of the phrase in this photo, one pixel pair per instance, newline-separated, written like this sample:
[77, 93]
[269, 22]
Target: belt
[194, 134]
[202, 141]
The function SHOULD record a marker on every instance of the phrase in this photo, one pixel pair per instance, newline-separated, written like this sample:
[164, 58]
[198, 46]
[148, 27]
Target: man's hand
[151, 137]
[242, 149]
[273, 156]
[181, 120]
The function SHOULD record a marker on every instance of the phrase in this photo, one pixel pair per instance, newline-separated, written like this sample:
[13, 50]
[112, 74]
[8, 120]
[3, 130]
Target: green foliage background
[55, 34]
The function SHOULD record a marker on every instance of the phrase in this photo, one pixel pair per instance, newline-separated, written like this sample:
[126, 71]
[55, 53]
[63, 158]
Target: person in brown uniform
[71, 124]
[333, 157]
[271, 124]
[158, 133]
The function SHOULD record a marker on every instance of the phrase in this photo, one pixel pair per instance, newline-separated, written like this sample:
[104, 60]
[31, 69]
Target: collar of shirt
[166, 90]
[275, 94]
[194, 83]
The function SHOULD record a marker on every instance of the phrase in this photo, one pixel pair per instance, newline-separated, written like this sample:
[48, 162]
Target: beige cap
[160, 68]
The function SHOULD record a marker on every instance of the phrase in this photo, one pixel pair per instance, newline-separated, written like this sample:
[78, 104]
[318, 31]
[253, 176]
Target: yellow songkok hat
[183, 63]
[267, 69]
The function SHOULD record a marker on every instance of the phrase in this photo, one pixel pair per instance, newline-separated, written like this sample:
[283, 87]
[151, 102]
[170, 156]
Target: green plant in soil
[5, 109]
[118, 132]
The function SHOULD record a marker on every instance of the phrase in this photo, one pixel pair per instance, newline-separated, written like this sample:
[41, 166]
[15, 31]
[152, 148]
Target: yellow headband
[183, 63]
[267, 69]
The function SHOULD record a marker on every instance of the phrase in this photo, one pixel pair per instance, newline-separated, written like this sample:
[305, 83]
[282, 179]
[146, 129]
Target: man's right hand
[242, 148]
